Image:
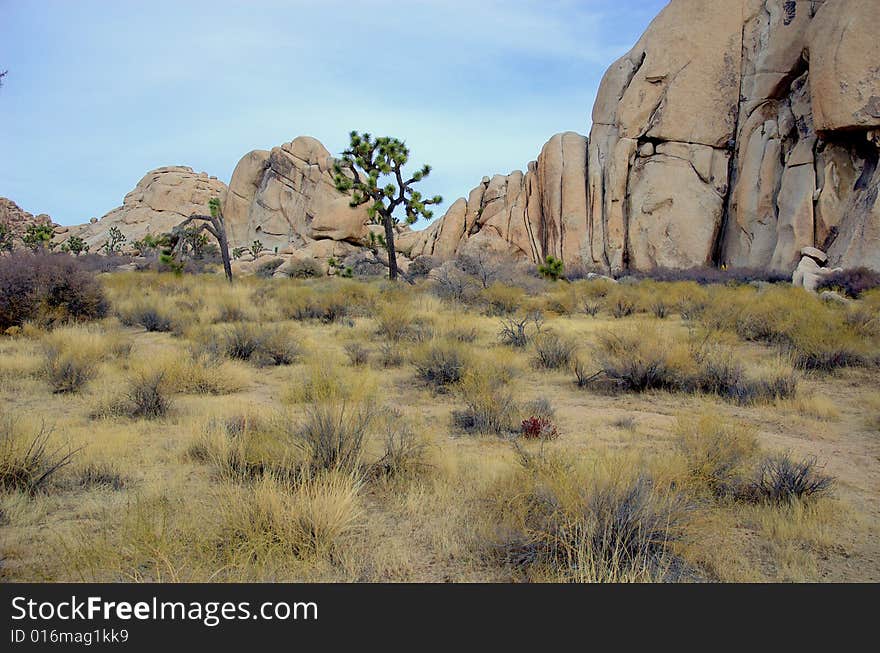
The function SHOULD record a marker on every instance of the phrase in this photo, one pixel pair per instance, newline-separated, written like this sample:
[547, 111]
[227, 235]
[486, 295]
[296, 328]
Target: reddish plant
[539, 428]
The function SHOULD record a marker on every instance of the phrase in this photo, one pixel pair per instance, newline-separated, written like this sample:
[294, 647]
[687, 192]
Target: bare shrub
[441, 364]
[357, 354]
[147, 398]
[27, 461]
[554, 352]
[781, 480]
[518, 332]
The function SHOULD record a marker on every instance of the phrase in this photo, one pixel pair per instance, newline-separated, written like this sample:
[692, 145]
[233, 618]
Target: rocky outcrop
[287, 196]
[527, 216]
[734, 133]
[161, 200]
[17, 220]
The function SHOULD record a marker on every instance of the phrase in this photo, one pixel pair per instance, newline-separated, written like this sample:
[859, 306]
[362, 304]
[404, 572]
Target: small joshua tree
[256, 249]
[38, 236]
[183, 235]
[115, 239]
[75, 245]
[371, 172]
[552, 269]
[238, 252]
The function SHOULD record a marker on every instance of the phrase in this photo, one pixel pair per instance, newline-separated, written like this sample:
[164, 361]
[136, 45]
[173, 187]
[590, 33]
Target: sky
[99, 92]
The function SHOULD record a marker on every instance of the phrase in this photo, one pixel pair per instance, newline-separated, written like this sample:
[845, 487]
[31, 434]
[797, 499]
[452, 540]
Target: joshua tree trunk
[389, 245]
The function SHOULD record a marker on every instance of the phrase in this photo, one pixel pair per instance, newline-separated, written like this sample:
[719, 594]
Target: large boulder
[287, 196]
[162, 199]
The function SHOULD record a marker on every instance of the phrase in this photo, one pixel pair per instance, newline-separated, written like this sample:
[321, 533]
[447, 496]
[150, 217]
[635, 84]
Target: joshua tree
[115, 238]
[361, 173]
[75, 245]
[553, 269]
[214, 224]
[38, 236]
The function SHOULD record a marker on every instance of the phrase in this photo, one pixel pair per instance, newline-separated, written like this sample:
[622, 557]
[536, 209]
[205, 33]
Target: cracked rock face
[161, 200]
[735, 133]
[287, 197]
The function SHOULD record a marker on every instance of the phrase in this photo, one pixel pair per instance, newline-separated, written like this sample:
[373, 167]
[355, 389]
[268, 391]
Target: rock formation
[17, 219]
[734, 133]
[812, 270]
[287, 197]
[161, 200]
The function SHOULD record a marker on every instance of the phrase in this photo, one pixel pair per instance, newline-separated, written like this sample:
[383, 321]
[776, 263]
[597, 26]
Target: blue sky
[100, 92]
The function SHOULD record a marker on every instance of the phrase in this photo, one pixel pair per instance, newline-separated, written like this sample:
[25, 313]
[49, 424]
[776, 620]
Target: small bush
[553, 352]
[390, 355]
[717, 452]
[660, 309]
[781, 480]
[262, 345]
[100, 475]
[151, 318]
[518, 332]
[622, 307]
[332, 435]
[853, 283]
[268, 268]
[67, 372]
[489, 406]
[501, 299]
[357, 354]
[592, 309]
[27, 462]
[441, 364]
[147, 398]
[404, 453]
[47, 289]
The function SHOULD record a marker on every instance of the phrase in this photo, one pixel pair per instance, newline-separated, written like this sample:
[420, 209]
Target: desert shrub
[718, 452]
[244, 447]
[266, 269]
[451, 284]
[488, 404]
[592, 308]
[463, 334]
[357, 354]
[781, 480]
[519, 331]
[718, 373]
[306, 303]
[100, 475]
[553, 352]
[67, 372]
[27, 460]
[153, 317]
[390, 355]
[501, 299]
[622, 307]
[404, 453]
[305, 517]
[541, 407]
[608, 530]
[147, 397]
[659, 309]
[853, 283]
[263, 345]
[332, 435]
[440, 363]
[306, 268]
[47, 289]
[640, 360]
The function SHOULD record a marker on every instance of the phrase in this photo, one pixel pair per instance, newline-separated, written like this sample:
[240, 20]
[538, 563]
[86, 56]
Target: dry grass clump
[326, 378]
[72, 355]
[357, 354]
[244, 447]
[306, 517]
[816, 335]
[332, 436]
[103, 475]
[647, 358]
[501, 299]
[264, 345]
[559, 524]
[554, 352]
[488, 403]
[146, 396]
[441, 363]
[718, 452]
[28, 460]
[404, 454]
